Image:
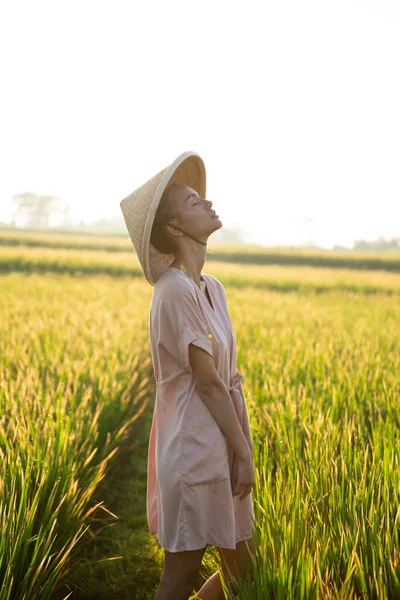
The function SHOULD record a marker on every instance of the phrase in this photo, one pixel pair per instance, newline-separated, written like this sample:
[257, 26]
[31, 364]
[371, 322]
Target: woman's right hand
[244, 477]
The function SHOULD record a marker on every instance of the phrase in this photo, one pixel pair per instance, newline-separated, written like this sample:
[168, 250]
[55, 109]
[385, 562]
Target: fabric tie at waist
[236, 392]
[237, 396]
[236, 380]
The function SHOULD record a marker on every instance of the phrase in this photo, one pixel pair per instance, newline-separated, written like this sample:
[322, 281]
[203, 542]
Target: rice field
[319, 349]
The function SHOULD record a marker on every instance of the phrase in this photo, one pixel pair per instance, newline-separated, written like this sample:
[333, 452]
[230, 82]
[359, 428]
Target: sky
[293, 106]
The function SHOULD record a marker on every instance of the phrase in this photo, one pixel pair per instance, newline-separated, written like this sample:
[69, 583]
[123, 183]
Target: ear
[173, 229]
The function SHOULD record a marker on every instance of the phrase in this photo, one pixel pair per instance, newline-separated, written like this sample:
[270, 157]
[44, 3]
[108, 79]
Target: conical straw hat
[140, 207]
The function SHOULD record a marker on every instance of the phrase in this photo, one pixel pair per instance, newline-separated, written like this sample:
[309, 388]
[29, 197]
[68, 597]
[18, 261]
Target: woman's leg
[233, 562]
[211, 589]
[180, 574]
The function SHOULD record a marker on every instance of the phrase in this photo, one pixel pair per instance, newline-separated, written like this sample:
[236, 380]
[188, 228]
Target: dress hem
[201, 547]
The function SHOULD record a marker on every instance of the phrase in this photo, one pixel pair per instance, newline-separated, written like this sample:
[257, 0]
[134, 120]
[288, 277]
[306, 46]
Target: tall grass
[73, 384]
[321, 381]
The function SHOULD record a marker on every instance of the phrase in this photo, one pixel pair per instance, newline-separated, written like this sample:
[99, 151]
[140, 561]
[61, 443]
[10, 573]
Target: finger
[246, 492]
[237, 489]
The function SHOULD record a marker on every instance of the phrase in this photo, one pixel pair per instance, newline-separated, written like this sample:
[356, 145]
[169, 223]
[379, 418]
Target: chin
[217, 224]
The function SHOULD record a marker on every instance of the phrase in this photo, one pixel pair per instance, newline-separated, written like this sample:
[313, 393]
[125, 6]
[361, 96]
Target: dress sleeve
[184, 319]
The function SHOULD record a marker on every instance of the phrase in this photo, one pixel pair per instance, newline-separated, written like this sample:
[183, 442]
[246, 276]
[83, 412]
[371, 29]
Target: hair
[160, 236]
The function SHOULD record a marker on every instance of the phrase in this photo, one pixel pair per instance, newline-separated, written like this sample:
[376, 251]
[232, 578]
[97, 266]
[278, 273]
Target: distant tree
[35, 211]
[379, 244]
[339, 247]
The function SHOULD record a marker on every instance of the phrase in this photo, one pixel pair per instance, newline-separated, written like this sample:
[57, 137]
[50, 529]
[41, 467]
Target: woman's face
[197, 216]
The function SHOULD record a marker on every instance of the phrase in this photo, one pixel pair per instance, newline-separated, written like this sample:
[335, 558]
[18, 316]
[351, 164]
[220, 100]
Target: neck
[191, 264]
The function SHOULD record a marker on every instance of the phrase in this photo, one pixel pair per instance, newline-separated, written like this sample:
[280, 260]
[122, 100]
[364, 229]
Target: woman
[200, 459]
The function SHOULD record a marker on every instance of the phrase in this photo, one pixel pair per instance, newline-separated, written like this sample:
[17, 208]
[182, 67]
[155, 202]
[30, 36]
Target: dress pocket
[204, 453]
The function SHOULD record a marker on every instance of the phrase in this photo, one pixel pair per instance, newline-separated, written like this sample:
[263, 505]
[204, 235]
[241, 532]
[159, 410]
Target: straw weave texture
[140, 207]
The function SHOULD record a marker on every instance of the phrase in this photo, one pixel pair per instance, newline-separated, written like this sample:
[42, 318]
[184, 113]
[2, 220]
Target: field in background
[247, 254]
[321, 371]
[282, 277]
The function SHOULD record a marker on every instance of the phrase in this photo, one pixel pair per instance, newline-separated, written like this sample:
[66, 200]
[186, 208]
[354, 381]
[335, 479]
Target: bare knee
[174, 589]
[180, 573]
[185, 579]
[237, 563]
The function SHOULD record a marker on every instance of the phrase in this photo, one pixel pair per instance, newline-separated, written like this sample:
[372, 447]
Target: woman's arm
[214, 393]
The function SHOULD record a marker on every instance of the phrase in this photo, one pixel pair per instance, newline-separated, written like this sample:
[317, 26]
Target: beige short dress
[190, 461]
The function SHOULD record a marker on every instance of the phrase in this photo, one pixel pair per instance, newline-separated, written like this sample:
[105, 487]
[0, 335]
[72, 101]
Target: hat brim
[188, 168]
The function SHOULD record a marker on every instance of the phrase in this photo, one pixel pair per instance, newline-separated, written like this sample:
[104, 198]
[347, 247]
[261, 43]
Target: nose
[209, 203]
